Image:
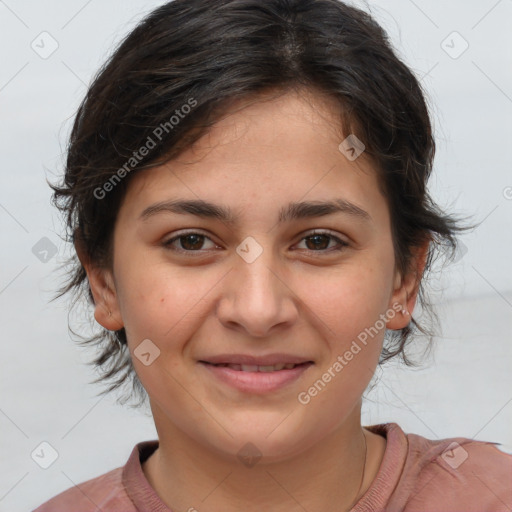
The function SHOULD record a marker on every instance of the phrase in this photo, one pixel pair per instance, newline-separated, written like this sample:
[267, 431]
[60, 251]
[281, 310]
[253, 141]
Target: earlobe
[399, 314]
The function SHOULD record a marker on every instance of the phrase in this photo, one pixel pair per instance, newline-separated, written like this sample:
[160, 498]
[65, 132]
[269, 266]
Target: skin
[294, 298]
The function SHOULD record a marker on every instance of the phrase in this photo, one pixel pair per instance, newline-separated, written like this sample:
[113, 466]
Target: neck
[332, 475]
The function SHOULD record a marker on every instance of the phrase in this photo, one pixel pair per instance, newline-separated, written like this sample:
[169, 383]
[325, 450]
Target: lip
[267, 360]
[256, 382]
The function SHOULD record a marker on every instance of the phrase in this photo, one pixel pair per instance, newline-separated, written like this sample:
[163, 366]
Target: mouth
[258, 368]
[256, 375]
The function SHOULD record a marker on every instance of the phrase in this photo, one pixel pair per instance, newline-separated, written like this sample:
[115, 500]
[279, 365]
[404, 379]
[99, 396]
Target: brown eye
[187, 242]
[319, 242]
[191, 242]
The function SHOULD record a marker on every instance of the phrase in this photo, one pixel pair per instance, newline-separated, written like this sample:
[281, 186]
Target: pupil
[196, 240]
[316, 237]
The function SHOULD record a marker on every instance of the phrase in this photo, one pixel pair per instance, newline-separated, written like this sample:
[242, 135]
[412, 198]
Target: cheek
[348, 307]
[163, 303]
[349, 304]
[348, 299]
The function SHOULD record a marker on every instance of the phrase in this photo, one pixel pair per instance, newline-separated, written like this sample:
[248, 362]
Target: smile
[253, 378]
[256, 368]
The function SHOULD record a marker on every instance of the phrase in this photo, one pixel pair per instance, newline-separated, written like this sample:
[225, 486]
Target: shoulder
[457, 474]
[105, 492]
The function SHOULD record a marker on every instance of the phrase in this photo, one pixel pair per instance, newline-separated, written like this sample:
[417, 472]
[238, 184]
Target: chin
[256, 440]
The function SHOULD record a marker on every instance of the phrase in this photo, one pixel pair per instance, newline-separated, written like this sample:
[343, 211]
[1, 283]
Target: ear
[406, 288]
[106, 306]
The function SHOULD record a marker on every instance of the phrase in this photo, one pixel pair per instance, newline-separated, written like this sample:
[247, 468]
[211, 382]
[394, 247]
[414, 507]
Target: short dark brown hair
[205, 54]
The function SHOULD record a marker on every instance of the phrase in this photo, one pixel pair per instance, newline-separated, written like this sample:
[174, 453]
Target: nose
[258, 297]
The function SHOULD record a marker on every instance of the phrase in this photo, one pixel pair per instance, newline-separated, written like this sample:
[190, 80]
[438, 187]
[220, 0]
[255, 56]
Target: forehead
[264, 151]
[291, 115]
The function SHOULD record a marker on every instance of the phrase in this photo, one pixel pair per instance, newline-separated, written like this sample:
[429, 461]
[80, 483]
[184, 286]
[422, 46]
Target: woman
[246, 191]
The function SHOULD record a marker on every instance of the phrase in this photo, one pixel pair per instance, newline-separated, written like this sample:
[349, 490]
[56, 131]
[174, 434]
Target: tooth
[266, 368]
[249, 367]
[256, 368]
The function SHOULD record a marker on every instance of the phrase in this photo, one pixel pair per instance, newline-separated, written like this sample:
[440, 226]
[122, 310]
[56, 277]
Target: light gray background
[464, 390]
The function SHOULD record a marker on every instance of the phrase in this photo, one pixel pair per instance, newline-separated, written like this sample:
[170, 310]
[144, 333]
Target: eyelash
[341, 243]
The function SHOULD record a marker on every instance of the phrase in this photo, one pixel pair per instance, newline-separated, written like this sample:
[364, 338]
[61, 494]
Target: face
[271, 282]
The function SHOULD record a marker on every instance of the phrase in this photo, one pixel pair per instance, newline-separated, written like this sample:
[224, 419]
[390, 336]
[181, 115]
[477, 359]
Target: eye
[318, 241]
[189, 242]
[193, 241]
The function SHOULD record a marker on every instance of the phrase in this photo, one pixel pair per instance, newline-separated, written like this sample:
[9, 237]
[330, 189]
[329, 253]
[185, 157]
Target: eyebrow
[293, 211]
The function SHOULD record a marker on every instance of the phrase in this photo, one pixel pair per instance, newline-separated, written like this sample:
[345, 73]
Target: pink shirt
[416, 474]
